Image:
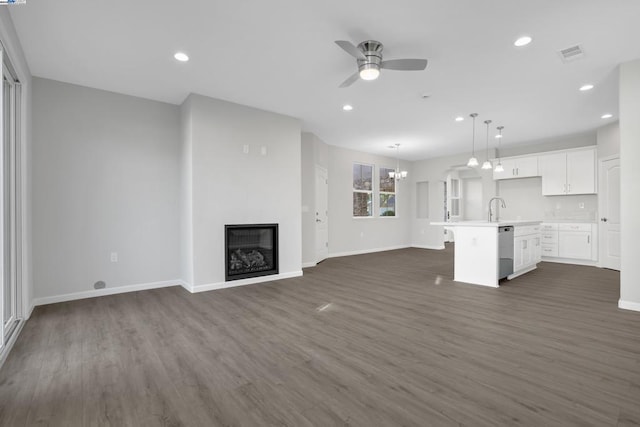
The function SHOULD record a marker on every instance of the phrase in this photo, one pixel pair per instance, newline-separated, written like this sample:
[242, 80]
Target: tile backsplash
[524, 200]
[571, 208]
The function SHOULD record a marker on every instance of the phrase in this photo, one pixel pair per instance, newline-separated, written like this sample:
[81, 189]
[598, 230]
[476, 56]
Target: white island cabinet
[477, 249]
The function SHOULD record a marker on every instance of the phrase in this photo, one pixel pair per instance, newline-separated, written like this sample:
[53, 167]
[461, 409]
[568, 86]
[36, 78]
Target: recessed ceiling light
[459, 119]
[586, 87]
[347, 107]
[607, 116]
[523, 41]
[182, 57]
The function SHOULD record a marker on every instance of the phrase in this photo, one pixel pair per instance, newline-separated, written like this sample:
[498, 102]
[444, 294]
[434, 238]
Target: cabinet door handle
[589, 239]
[569, 191]
[517, 171]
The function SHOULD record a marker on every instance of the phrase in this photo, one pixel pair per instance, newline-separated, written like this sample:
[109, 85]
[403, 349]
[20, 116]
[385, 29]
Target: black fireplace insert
[251, 250]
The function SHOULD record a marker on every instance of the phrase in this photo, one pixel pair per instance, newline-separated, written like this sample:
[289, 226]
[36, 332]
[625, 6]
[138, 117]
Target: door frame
[325, 171]
[601, 239]
[21, 78]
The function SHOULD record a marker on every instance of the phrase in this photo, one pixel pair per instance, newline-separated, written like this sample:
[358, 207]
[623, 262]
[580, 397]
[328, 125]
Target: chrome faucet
[491, 213]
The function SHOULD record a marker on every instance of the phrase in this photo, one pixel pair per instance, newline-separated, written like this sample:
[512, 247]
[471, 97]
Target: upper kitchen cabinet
[570, 172]
[518, 167]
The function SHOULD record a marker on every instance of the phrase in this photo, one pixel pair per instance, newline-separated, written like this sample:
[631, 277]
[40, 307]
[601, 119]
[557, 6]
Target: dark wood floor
[374, 340]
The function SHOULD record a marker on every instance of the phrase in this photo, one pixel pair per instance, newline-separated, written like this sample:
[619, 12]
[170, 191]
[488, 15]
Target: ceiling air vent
[571, 53]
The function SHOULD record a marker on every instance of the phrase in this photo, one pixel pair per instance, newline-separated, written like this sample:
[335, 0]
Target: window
[362, 190]
[387, 193]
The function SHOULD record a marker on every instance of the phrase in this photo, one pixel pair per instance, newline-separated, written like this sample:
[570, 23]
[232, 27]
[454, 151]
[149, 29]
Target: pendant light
[473, 162]
[487, 163]
[499, 167]
[398, 174]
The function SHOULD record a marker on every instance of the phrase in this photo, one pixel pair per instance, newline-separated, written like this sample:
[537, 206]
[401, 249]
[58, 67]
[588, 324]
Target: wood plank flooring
[385, 339]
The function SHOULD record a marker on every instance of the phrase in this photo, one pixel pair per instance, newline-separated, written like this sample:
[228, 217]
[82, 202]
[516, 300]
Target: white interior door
[322, 214]
[609, 201]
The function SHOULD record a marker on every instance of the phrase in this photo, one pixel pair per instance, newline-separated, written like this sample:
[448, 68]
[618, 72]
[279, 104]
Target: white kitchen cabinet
[581, 172]
[549, 235]
[518, 167]
[575, 241]
[568, 241]
[572, 172]
[526, 249]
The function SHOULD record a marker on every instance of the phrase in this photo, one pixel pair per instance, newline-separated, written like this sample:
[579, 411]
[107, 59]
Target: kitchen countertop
[500, 223]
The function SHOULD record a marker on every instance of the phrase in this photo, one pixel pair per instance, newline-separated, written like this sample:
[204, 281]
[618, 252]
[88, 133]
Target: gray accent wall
[105, 179]
[231, 186]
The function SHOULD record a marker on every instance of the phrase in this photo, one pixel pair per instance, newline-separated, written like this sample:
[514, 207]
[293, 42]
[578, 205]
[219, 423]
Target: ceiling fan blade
[351, 49]
[351, 79]
[404, 64]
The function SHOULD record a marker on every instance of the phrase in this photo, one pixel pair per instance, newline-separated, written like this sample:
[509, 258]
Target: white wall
[105, 179]
[231, 187]
[564, 142]
[349, 235]
[11, 44]
[609, 140]
[186, 192]
[629, 179]
[435, 172]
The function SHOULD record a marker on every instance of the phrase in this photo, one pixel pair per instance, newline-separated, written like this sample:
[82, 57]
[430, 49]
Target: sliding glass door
[9, 165]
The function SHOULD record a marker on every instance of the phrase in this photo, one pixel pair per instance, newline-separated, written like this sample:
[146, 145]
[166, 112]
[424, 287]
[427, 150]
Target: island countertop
[500, 223]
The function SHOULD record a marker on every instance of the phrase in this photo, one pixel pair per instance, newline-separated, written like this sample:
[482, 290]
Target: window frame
[370, 192]
[393, 193]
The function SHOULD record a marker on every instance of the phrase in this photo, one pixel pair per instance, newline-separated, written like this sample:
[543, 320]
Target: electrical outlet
[581, 205]
[114, 256]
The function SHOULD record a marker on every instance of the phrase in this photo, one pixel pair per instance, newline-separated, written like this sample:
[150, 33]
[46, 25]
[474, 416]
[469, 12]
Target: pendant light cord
[488, 122]
[473, 135]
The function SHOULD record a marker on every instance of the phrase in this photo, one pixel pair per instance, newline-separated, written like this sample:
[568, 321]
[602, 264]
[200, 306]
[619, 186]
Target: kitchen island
[483, 255]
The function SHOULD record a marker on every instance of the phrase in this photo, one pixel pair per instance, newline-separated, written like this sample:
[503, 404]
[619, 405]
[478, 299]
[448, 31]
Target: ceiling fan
[369, 57]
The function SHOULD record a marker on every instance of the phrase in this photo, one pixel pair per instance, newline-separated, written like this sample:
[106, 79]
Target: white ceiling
[279, 55]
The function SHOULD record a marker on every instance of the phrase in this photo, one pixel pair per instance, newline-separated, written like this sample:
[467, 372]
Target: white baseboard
[629, 305]
[586, 262]
[438, 248]
[366, 251]
[7, 348]
[308, 264]
[243, 282]
[105, 291]
[521, 272]
[32, 305]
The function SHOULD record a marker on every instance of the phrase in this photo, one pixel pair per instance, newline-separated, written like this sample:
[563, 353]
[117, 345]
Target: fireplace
[251, 250]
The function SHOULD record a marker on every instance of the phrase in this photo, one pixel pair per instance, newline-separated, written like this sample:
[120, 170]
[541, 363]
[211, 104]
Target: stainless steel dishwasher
[505, 251]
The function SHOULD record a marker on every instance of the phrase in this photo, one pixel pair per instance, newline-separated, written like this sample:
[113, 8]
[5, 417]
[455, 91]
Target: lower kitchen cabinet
[575, 241]
[526, 247]
[569, 241]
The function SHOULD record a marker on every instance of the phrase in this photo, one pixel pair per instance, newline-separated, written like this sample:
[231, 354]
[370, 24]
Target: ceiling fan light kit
[368, 56]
